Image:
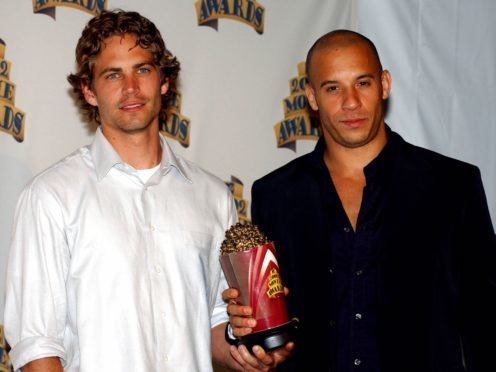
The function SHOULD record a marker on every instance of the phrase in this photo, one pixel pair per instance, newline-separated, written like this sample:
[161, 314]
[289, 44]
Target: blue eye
[143, 70]
[112, 76]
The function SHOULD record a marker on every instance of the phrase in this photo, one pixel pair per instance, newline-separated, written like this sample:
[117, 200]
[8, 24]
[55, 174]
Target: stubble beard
[136, 124]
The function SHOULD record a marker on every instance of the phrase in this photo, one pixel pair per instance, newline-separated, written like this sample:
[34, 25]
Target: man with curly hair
[114, 258]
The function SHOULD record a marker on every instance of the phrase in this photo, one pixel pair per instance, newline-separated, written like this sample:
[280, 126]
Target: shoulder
[418, 168]
[53, 189]
[61, 175]
[200, 178]
[294, 171]
[412, 157]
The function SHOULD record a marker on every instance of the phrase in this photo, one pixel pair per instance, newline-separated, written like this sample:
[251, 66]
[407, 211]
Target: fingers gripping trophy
[249, 262]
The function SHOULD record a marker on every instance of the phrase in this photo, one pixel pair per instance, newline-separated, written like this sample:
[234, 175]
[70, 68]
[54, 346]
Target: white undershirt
[145, 174]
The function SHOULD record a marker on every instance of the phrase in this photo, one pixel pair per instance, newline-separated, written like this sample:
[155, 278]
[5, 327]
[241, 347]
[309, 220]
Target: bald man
[387, 249]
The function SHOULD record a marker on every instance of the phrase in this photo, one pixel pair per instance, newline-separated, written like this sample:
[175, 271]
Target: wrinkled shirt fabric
[113, 274]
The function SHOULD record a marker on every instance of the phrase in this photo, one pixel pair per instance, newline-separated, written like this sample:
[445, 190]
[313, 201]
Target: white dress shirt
[113, 274]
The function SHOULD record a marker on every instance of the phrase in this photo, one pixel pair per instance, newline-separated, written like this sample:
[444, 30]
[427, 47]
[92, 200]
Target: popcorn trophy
[249, 262]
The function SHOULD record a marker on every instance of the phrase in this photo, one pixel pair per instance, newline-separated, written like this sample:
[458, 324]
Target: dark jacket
[437, 297]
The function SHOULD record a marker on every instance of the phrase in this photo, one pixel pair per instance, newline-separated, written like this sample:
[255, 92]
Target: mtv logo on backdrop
[11, 118]
[246, 11]
[4, 357]
[236, 187]
[176, 125]
[47, 7]
[299, 121]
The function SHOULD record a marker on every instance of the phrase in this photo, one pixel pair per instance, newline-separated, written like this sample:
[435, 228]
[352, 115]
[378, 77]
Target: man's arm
[50, 364]
[240, 359]
[35, 301]
[478, 288]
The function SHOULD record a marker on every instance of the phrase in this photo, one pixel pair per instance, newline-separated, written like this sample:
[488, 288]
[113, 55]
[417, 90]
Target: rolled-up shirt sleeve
[36, 302]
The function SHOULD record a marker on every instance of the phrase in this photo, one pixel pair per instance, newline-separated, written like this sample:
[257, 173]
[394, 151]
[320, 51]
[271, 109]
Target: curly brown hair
[119, 22]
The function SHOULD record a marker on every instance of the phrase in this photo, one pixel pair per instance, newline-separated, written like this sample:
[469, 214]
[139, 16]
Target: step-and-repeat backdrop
[241, 111]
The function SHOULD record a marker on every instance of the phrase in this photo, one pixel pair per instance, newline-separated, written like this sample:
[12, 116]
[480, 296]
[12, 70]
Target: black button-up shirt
[425, 263]
[354, 265]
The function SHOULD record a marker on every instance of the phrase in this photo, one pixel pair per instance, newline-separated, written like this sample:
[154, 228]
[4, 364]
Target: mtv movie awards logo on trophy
[236, 187]
[47, 7]
[176, 126]
[11, 118]
[4, 357]
[249, 12]
[299, 121]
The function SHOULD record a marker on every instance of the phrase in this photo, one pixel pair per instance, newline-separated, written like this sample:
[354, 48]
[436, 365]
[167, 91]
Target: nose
[351, 100]
[130, 85]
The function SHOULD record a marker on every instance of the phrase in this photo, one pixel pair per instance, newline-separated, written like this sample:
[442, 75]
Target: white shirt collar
[105, 157]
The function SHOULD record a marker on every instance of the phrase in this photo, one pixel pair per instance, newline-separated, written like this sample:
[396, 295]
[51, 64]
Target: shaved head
[339, 39]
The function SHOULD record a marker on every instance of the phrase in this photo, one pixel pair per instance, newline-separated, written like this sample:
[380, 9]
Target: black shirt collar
[377, 167]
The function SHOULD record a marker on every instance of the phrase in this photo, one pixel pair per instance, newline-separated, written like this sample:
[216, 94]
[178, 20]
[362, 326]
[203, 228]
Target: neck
[351, 161]
[141, 150]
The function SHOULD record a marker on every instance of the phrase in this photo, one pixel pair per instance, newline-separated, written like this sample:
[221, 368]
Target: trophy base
[271, 338]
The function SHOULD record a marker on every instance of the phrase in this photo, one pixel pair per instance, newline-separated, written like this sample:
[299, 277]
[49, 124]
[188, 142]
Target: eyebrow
[364, 76]
[119, 69]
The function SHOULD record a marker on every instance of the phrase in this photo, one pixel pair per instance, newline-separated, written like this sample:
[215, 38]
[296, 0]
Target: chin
[354, 142]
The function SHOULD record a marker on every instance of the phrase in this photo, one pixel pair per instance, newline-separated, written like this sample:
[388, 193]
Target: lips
[354, 122]
[132, 106]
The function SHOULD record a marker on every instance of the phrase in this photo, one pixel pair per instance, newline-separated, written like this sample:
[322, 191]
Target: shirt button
[357, 362]
[157, 269]
[347, 229]
[359, 272]
[152, 227]
[358, 316]
[331, 271]
[165, 358]
[332, 323]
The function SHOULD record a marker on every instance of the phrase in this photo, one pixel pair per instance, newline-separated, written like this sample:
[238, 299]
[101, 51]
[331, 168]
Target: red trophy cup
[249, 263]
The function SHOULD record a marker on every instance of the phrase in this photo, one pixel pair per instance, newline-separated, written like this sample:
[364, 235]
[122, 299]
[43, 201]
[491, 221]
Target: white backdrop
[234, 79]
[442, 57]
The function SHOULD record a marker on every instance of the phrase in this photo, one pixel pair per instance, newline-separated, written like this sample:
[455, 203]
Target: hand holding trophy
[249, 262]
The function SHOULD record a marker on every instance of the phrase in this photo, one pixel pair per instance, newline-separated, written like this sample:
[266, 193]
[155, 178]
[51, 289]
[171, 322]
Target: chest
[127, 230]
[350, 193]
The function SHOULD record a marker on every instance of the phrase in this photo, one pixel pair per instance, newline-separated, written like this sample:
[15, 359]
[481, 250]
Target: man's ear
[310, 93]
[89, 96]
[386, 84]
[164, 87]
